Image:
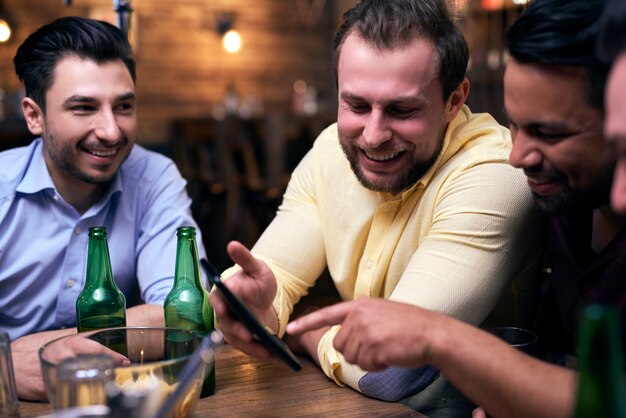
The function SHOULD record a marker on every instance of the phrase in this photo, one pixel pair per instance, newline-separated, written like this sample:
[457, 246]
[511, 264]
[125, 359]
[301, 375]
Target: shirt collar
[451, 144]
[37, 178]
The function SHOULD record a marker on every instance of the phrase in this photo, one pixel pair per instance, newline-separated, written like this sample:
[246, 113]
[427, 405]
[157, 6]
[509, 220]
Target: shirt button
[70, 283]
[77, 230]
[369, 264]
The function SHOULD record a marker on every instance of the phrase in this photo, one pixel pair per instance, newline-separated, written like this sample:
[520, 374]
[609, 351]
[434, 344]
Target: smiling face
[89, 125]
[392, 116]
[557, 136]
[615, 128]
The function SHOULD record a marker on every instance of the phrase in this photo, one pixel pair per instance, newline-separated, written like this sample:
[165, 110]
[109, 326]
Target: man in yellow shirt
[555, 109]
[409, 196]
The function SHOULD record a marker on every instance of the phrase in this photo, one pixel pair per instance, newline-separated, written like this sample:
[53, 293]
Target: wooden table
[249, 388]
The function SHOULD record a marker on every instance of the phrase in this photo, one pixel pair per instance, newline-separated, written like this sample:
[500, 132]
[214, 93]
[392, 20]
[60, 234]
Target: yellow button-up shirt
[450, 243]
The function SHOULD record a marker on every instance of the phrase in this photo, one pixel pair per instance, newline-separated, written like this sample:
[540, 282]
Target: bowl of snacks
[132, 369]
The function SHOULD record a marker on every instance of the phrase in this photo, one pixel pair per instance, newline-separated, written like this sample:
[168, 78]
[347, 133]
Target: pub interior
[237, 123]
[235, 92]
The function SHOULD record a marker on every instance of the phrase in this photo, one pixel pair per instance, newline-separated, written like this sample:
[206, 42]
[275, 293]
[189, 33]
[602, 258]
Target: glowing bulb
[299, 87]
[5, 31]
[232, 41]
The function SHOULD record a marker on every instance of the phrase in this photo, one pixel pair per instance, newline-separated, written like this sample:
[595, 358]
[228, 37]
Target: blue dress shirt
[43, 239]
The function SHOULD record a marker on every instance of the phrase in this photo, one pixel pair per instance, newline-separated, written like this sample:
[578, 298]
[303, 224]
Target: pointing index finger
[330, 315]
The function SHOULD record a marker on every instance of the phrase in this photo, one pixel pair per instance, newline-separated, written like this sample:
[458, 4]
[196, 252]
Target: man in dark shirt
[582, 275]
[553, 96]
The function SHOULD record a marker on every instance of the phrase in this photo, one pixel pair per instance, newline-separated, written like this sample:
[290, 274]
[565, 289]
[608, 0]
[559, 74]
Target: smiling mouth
[101, 153]
[545, 186]
[382, 157]
[539, 182]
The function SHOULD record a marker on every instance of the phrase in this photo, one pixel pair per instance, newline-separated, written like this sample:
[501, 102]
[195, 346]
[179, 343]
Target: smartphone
[243, 314]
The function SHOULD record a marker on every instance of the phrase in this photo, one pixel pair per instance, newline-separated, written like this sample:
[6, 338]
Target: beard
[63, 154]
[569, 199]
[396, 182]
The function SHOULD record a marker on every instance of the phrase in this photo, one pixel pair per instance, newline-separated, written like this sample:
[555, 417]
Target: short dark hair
[38, 55]
[561, 32]
[612, 37]
[387, 24]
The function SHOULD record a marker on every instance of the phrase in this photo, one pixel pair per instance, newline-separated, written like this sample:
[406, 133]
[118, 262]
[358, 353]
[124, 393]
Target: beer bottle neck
[187, 272]
[98, 263]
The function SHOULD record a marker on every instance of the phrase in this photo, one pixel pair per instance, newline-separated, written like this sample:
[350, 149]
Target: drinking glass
[520, 338]
[82, 380]
[9, 405]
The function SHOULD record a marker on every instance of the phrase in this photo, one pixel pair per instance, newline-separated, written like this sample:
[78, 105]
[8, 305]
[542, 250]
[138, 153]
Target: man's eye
[402, 112]
[125, 107]
[82, 108]
[358, 108]
[550, 136]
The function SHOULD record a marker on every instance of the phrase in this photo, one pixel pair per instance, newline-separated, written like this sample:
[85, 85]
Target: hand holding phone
[243, 314]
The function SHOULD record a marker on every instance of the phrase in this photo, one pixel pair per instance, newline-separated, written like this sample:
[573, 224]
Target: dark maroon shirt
[580, 276]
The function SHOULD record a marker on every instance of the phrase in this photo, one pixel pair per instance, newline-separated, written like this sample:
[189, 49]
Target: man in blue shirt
[84, 170]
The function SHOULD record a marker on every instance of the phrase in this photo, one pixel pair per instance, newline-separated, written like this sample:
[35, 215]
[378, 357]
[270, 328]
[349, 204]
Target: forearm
[296, 230]
[25, 350]
[32, 343]
[307, 343]
[25, 355]
[146, 315]
[502, 380]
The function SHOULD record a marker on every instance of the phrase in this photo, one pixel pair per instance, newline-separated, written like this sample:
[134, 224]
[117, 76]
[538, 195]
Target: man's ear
[456, 100]
[33, 115]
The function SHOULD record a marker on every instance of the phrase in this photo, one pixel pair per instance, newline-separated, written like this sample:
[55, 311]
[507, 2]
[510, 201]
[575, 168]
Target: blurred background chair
[225, 163]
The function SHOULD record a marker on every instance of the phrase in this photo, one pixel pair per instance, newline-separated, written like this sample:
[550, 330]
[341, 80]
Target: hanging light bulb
[6, 27]
[5, 31]
[232, 41]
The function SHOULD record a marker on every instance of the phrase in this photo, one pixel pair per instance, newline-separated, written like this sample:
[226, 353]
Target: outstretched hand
[375, 333]
[256, 286]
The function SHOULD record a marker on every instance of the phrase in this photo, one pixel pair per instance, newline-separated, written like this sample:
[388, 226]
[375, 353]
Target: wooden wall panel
[183, 70]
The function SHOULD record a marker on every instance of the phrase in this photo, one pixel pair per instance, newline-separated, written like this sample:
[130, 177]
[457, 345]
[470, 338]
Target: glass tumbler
[82, 379]
[9, 404]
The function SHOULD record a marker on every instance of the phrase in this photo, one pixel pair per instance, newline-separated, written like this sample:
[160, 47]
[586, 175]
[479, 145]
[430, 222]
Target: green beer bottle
[187, 305]
[100, 304]
[600, 368]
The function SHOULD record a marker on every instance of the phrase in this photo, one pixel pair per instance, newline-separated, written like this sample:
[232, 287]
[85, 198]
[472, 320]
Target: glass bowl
[157, 356]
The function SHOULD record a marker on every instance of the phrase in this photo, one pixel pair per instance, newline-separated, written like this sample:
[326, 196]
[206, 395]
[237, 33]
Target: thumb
[244, 258]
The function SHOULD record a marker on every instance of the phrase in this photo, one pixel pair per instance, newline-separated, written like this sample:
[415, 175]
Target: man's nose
[524, 154]
[107, 128]
[376, 129]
